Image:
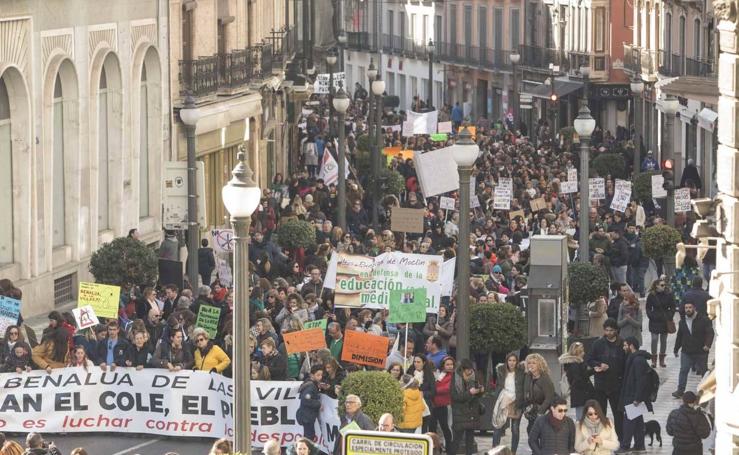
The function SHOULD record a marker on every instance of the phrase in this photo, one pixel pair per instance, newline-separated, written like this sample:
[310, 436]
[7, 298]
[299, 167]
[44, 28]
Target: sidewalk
[39, 322]
[662, 408]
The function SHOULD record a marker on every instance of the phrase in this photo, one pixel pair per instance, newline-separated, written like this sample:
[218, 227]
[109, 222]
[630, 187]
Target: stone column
[726, 308]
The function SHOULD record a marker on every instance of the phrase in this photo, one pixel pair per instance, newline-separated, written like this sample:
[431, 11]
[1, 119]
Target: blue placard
[10, 310]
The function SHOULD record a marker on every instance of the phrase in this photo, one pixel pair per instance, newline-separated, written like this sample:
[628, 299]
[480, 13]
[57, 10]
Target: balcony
[674, 65]
[358, 41]
[225, 73]
[632, 59]
[596, 62]
[283, 44]
[536, 57]
[649, 60]
[697, 67]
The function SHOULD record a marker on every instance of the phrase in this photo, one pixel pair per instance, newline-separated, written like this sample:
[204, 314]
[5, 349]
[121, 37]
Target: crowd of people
[156, 327]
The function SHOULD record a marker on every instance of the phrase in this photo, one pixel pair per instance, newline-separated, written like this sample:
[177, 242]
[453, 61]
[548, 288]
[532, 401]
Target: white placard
[323, 79]
[436, 171]
[408, 128]
[597, 188]
[423, 123]
[568, 187]
[85, 317]
[474, 201]
[658, 190]
[572, 175]
[682, 200]
[444, 127]
[621, 196]
[447, 203]
[506, 182]
[223, 240]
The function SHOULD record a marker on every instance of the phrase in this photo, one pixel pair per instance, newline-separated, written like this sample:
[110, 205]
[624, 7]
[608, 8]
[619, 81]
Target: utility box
[548, 296]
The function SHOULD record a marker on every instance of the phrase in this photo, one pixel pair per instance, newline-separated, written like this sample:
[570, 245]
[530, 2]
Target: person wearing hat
[688, 426]
[649, 163]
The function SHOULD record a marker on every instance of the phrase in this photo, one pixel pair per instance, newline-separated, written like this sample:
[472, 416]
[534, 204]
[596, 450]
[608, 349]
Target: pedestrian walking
[694, 338]
[689, 426]
[509, 391]
[607, 359]
[310, 402]
[466, 406]
[553, 433]
[442, 400]
[594, 432]
[630, 317]
[538, 389]
[635, 391]
[578, 375]
[660, 312]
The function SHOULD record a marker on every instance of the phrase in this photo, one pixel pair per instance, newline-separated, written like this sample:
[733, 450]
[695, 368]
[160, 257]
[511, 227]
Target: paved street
[110, 444]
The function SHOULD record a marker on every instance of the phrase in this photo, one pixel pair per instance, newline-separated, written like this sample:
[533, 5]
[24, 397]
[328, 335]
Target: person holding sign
[208, 356]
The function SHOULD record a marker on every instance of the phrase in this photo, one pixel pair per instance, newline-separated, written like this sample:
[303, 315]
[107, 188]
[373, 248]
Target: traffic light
[668, 175]
[553, 97]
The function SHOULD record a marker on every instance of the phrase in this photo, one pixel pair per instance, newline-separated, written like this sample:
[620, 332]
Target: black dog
[653, 429]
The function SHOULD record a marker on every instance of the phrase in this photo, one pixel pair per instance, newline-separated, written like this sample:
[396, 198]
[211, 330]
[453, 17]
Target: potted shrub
[643, 186]
[295, 236]
[609, 163]
[586, 283]
[125, 262]
[660, 241]
[379, 392]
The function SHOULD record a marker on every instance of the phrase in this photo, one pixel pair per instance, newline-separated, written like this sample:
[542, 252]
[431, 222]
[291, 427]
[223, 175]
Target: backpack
[652, 383]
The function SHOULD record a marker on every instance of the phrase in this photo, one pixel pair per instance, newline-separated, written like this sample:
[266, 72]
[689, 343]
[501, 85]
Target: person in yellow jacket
[413, 406]
[208, 356]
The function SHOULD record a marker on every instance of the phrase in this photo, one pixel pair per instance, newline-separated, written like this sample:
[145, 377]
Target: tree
[124, 262]
[587, 282]
[296, 234]
[609, 164]
[660, 241]
[379, 392]
[643, 186]
[497, 327]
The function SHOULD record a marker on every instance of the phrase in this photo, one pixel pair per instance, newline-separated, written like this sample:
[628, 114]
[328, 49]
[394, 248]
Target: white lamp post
[241, 196]
[430, 48]
[378, 88]
[190, 114]
[341, 104]
[637, 87]
[515, 58]
[465, 152]
[584, 126]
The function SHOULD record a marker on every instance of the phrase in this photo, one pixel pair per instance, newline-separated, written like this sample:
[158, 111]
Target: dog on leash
[653, 430]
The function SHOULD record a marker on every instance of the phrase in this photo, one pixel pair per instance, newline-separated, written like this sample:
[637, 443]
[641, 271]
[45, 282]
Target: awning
[561, 88]
[707, 119]
[691, 87]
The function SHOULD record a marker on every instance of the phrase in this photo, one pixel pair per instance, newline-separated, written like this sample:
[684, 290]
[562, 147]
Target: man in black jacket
[694, 337]
[607, 358]
[113, 350]
[310, 402]
[618, 255]
[206, 262]
[697, 296]
[635, 391]
[688, 426]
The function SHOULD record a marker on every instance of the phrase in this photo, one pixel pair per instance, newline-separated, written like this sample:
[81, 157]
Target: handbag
[671, 327]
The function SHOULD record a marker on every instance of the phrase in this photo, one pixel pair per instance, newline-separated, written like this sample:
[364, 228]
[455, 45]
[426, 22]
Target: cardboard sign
[223, 240]
[85, 317]
[516, 213]
[408, 128]
[377, 442]
[423, 122]
[407, 220]
[474, 201]
[621, 196]
[323, 80]
[304, 340]
[407, 305]
[10, 310]
[538, 204]
[364, 349]
[444, 127]
[446, 203]
[103, 299]
[319, 324]
[682, 200]
[208, 317]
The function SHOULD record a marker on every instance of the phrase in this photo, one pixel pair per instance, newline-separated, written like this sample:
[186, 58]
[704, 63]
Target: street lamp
[342, 39]
[378, 88]
[670, 105]
[341, 104]
[515, 58]
[190, 114]
[465, 152]
[330, 62]
[371, 75]
[430, 48]
[241, 196]
[637, 87]
[584, 126]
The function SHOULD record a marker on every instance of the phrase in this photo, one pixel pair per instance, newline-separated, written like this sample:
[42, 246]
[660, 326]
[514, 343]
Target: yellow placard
[103, 298]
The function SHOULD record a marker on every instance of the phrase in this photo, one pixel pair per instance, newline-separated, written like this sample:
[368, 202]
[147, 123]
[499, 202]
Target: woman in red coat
[443, 398]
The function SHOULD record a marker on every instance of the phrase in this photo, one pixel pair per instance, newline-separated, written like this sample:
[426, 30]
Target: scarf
[555, 422]
[593, 427]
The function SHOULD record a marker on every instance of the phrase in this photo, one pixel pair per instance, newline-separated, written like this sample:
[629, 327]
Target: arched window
[103, 152]
[58, 193]
[697, 39]
[6, 178]
[144, 147]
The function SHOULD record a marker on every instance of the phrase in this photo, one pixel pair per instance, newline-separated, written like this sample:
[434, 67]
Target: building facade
[230, 56]
[84, 130]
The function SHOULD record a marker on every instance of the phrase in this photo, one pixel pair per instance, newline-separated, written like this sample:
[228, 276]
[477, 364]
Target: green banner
[439, 137]
[407, 305]
[208, 317]
[321, 324]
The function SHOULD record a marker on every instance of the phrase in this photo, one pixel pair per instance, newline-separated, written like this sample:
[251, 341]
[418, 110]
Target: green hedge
[379, 392]
[497, 327]
[587, 282]
[660, 241]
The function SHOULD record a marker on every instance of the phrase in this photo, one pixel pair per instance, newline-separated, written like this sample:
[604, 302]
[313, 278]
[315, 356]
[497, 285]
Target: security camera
[702, 207]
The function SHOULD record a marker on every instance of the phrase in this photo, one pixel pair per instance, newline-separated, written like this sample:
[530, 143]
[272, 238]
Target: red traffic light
[668, 165]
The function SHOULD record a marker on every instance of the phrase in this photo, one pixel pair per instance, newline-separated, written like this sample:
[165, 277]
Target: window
[681, 37]
[697, 39]
[668, 33]
[58, 206]
[515, 29]
[390, 23]
[453, 27]
[437, 30]
[482, 29]
[425, 31]
[401, 35]
[600, 29]
[103, 152]
[6, 178]
[144, 147]
[467, 26]
[498, 29]
[413, 27]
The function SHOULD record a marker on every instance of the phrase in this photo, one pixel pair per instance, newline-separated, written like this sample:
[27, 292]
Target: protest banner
[10, 310]
[597, 188]
[423, 122]
[208, 317]
[682, 200]
[407, 220]
[436, 171]
[502, 196]
[366, 282]
[85, 317]
[444, 127]
[658, 190]
[506, 182]
[357, 442]
[447, 276]
[102, 298]
[537, 204]
[304, 340]
[223, 240]
[182, 404]
[568, 187]
[392, 152]
[471, 129]
[364, 349]
[408, 128]
[447, 203]
[407, 305]
[319, 324]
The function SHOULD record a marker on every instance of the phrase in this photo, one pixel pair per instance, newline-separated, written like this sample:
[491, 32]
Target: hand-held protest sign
[407, 220]
[682, 200]
[364, 349]
[304, 340]
[447, 203]
[407, 305]
[436, 171]
[357, 442]
[223, 240]
[10, 310]
[597, 188]
[104, 299]
[658, 189]
[208, 317]
[320, 324]
[621, 196]
[85, 317]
